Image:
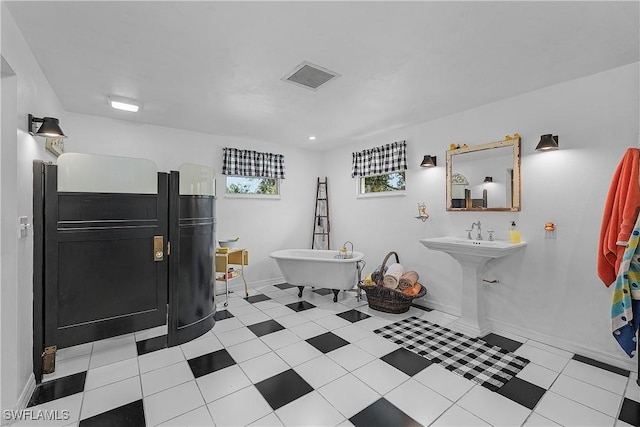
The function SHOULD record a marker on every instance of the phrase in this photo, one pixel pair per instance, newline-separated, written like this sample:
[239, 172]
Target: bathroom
[548, 292]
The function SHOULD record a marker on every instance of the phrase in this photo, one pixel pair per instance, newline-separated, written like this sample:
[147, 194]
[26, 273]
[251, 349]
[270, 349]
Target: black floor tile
[284, 286]
[522, 392]
[323, 291]
[283, 388]
[383, 414]
[327, 342]
[221, 315]
[421, 307]
[406, 361]
[630, 412]
[300, 306]
[57, 389]
[353, 315]
[211, 362]
[601, 365]
[266, 327]
[257, 298]
[131, 414]
[502, 342]
[152, 344]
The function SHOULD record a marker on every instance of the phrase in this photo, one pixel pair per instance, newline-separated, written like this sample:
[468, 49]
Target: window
[382, 185]
[247, 185]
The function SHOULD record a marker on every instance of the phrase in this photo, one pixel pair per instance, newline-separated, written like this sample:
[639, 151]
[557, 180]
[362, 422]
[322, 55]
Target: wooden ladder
[321, 225]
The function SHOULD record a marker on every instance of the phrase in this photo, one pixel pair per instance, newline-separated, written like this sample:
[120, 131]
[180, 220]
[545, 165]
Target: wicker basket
[388, 300]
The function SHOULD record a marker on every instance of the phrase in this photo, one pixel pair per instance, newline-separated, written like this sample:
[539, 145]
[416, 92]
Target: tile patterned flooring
[274, 359]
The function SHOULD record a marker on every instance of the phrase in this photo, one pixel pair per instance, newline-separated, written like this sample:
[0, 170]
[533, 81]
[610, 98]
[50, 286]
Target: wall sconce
[429, 161]
[488, 179]
[48, 129]
[547, 142]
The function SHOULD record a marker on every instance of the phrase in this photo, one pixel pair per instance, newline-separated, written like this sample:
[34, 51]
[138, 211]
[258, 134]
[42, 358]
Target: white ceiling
[216, 67]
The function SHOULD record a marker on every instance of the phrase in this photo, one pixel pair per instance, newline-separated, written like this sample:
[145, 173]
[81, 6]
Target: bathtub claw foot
[300, 293]
[335, 294]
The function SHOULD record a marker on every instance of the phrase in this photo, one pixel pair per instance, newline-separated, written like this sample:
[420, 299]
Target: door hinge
[168, 248]
[49, 359]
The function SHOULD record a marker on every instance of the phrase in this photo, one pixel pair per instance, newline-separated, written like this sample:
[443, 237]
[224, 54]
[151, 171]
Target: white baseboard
[23, 399]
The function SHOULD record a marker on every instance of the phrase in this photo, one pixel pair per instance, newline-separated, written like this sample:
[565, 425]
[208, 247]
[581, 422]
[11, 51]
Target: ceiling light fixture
[124, 104]
[547, 142]
[312, 138]
[429, 161]
[488, 179]
[50, 127]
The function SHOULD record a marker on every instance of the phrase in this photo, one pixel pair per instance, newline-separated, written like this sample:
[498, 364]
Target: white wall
[550, 290]
[263, 225]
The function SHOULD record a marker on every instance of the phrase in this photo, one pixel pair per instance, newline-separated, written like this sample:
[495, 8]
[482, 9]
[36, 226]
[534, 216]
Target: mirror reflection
[484, 177]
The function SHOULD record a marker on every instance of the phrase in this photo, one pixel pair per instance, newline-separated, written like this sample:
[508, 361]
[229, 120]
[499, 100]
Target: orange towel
[620, 214]
[414, 290]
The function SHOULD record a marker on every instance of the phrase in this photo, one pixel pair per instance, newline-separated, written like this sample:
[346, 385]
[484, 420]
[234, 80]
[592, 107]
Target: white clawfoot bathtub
[318, 268]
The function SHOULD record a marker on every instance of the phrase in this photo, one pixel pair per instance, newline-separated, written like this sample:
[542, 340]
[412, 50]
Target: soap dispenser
[514, 233]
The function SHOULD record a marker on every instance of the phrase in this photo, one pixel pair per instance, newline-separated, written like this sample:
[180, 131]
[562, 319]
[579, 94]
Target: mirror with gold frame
[484, 177]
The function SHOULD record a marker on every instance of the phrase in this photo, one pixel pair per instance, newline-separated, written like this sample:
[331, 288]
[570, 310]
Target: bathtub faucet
[346, 254]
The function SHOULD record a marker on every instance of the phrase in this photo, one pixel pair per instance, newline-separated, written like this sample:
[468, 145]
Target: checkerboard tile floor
[274, 359]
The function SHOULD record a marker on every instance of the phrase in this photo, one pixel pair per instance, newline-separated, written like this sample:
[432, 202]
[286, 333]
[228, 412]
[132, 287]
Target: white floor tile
[197, 417]
[158, 331]
[332, 322]
[67, 409]
[542, 357]
[68, 367]
[263, 367]
[221, 383]
[418, 401]
[380, 376]
[602, 378]
[483, 403]
[376, 345]
[350, 357]
[287, 299]
[587, 394]
[566, 412]
[110, 374]
[348, 395]
[167, 377]
[538, 375]
[439, 317]
[200, 346]
[315, 313]
[291, 320]
[235, 336]
[266, 305]
[308, 330]
[159, 359]
[243, 310]
[309, 410]
[110, 397]
[270, 420]
[551, 349]
[248, 350]
[112, 354]
[320, 371]
[170, 403]
[278, 312]
[374, 322]
[537, 420]
[226, 325]
[455, 416]
[240, 408]
[353, 332]
[253, 318]
[298, 353]
[633, 389]
[444, 382]
[117, 341]
[75, 351]
[279, 339]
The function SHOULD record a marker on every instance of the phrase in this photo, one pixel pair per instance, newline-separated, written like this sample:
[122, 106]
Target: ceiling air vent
[310, 76]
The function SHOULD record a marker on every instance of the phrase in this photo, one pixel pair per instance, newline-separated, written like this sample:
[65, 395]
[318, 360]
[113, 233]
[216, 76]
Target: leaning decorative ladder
[321, 225]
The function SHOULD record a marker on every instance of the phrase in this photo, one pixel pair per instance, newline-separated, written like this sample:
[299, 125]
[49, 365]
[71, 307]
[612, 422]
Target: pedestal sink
[472, 256]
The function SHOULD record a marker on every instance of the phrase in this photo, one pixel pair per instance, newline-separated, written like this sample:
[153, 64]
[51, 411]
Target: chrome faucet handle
[490, 235]
[469, 235]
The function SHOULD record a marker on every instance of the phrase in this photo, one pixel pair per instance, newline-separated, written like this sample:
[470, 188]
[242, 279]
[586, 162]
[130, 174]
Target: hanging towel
[625, 304]
[407, 280]
[392, 276]
[620, 213]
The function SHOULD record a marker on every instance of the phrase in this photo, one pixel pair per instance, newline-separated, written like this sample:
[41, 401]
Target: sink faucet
[479, 236]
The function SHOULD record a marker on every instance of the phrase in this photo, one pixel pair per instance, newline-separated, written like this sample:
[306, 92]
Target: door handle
[158, 248]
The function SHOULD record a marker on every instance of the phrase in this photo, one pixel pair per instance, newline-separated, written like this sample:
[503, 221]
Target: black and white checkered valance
[380, 160]
[252, 163]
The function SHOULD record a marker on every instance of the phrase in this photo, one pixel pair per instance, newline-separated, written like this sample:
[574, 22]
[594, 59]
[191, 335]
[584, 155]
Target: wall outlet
[23, 227]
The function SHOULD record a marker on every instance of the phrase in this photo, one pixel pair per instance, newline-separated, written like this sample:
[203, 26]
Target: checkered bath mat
[474, 359]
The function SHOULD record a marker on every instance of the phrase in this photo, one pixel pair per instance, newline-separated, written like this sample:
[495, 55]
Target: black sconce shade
[49, 127]
[548, 142]
[488, 179]
[429, 161]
